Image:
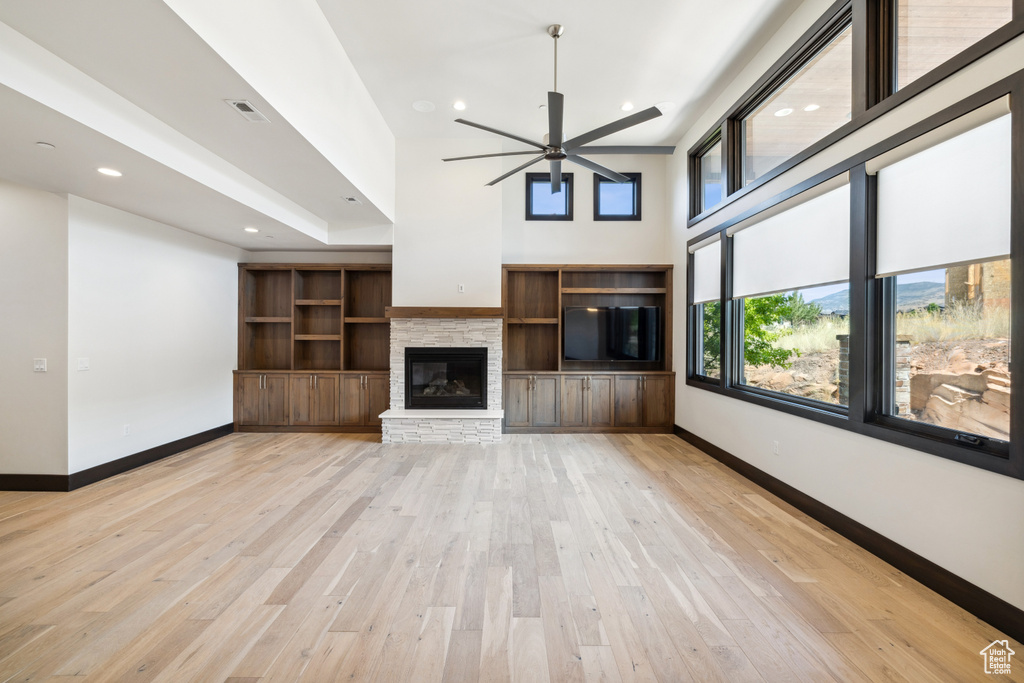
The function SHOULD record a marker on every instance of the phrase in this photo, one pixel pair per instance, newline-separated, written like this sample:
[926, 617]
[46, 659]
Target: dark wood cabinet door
[276, 406]
[628, 409]
[327, 409]
[377, 397]
[544, 403]
[302, 399]
[352, 409]
[517, 401]
[250, 394]
[574, 412]
[658, 409]
[601, 400]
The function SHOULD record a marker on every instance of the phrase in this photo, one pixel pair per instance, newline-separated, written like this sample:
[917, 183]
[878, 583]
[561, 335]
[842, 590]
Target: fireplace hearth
[445, 378]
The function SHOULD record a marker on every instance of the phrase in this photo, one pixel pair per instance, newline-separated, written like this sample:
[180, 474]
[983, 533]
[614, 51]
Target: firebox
[445, 377]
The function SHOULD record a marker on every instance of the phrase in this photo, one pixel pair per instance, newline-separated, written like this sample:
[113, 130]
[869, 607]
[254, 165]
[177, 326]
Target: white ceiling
[495, 56]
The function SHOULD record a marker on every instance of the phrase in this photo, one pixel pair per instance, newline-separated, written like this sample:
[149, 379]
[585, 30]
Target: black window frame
[873, 94]
[871, 366]
[533, 178]
[696, 163]
[635, 181]
[808, 51]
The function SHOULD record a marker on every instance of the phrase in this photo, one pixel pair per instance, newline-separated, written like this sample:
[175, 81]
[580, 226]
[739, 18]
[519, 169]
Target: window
[617, 201]
[709, 182]
[952, 349]
[942, 247]
[811, 103]
[795, 343]
[791, 265]
[930, 32]
[706, 265]
[544, 205]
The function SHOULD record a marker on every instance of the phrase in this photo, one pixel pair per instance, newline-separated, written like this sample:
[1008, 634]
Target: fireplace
[445, 378]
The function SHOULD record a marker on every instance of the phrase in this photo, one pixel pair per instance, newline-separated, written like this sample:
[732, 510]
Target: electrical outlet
[38, 365]
[775, 447]
[83, 364]
[127, 430]
[462, 289]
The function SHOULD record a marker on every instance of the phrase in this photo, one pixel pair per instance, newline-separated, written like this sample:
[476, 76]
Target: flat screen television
[612, 333]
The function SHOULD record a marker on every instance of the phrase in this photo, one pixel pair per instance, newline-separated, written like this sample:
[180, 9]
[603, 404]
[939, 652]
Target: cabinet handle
[311, 381]
[316, 382]
[262, 378]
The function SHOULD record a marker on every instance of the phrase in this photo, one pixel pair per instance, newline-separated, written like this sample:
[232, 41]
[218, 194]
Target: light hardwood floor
[328, 557]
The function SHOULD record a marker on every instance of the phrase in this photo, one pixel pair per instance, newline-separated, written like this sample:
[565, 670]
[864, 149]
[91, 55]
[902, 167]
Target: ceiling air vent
[247, 110]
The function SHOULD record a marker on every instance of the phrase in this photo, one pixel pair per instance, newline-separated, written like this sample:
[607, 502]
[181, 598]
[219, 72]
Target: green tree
[796, 311]
[761, 317]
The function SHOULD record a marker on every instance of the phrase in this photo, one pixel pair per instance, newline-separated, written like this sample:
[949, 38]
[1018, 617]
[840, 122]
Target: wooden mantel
[441, 312]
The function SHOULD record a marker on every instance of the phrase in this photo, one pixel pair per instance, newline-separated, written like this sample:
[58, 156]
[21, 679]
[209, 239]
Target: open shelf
[531, 294]
[318, 302]
[368, 346]
[359, 321]
[267, 319]
[317, 320]
[317, 285]
[367, 293]
[266, 347]
[267, 294]
[611, 281]
[532, 347]
[613, 290]
[318, 354]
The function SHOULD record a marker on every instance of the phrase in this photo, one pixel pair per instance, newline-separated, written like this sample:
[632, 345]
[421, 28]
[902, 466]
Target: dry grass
[960, 321]
[816, 337]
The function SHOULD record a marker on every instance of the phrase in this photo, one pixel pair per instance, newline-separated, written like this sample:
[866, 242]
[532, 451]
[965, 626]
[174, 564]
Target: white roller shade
[947, 204]
[806, 245]
[707, 272]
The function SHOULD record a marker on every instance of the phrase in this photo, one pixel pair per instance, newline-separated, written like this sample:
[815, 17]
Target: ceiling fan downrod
[555, 31]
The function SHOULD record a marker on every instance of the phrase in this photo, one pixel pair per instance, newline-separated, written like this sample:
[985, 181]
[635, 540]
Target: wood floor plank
[556, 557]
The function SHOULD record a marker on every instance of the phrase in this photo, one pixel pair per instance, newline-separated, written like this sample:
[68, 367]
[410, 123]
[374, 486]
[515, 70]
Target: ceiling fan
[554, 149]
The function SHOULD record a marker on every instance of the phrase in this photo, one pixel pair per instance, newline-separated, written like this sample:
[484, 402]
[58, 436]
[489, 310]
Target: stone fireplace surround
[444, 425]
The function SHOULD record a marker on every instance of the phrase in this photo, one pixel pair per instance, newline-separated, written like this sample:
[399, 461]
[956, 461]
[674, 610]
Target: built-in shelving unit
[545, 392]
[324, 327]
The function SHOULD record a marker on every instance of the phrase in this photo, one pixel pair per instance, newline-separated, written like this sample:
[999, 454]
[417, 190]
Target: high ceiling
[197, 164]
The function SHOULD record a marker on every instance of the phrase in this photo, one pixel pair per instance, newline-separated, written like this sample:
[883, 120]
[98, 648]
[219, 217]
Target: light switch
[83, 364]
[38, 365]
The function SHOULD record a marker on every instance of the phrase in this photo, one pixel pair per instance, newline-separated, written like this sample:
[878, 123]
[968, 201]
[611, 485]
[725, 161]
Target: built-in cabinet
[313, 346]
[532, 400]
[543, 391]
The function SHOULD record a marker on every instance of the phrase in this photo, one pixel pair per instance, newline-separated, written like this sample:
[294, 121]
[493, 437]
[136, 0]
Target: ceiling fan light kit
[555, 150]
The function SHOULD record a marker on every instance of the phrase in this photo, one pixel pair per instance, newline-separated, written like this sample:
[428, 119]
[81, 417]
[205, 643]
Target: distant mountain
[909, 297]
[920, 295]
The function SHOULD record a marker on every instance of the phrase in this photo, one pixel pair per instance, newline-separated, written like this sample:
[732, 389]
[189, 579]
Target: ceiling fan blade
[515, 170]
[555, 101]
[598, 169]
[625, 149]
[614, 127]
[556, 176]
[500, 132]
[484, 156]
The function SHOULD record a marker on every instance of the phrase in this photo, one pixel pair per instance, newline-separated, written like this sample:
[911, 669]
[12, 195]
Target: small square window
[617, 201]
[544, 205]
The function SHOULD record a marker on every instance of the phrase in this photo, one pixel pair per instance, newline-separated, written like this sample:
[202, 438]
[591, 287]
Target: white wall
[447, 225]
[34, 311]
[154, 309]
[584, 240]
[966, 520]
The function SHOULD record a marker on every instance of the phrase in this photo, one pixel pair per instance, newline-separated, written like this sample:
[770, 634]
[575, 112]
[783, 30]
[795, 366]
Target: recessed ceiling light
[784, 112]
[423, 106]
[626, 106]
[45, 145]
[252, 229]
[459, 105]
[353, 200]
[109, 172]
[812, 107]
[270, 237]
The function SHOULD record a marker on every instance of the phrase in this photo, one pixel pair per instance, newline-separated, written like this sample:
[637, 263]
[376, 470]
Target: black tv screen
[612, 333]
